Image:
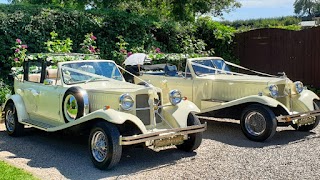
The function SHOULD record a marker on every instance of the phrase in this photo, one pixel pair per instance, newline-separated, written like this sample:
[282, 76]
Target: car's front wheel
[194, 140]
[258, 122]
[308, 127]
[104, 147]
[13, 126]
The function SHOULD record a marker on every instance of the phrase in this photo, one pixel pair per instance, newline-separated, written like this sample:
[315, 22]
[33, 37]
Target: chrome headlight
[175, 97]
[299, 86]
[126, 102]
[273, 90]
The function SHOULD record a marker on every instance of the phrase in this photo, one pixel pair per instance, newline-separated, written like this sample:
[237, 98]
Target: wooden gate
[297, 53]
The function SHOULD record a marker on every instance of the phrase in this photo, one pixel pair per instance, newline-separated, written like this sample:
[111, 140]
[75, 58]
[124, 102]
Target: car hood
[247, 79]
[111, 85]
[230, 87]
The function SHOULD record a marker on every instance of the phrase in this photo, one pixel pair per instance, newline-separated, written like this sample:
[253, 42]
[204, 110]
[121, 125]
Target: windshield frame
[224, 69]
[94, 76]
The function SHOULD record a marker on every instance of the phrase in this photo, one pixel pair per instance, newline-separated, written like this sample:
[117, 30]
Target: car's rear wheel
[104, 147]
[310, 126]
[258, 122]
[13, 126]
[194, 140]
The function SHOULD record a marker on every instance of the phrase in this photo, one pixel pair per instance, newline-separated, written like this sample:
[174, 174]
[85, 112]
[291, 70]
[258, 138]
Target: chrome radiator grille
[144, 115]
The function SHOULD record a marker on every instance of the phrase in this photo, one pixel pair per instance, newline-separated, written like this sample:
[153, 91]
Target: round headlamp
[299, 86]
[175, 97]
[273, 90]
[126, 102]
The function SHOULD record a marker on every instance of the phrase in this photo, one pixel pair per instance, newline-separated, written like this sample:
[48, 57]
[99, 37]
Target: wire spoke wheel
[99, 145]
[255, 123]
[10, 124]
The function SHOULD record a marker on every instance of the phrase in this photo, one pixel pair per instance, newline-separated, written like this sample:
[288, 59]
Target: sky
[253, 9]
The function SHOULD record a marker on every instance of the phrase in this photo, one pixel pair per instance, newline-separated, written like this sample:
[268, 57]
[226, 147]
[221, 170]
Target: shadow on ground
[230, 133]
[69, 155]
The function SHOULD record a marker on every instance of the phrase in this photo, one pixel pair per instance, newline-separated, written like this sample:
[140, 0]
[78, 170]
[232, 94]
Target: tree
[181, 10]
[306, 7]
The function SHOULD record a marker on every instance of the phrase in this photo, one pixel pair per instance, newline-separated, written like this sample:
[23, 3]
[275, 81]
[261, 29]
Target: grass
[8, 172]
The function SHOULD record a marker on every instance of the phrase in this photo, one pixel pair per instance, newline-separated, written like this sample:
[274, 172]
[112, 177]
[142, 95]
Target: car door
[50, 95]
[28, 89]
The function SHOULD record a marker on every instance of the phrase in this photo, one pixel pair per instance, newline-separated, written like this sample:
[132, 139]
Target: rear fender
[20, 107]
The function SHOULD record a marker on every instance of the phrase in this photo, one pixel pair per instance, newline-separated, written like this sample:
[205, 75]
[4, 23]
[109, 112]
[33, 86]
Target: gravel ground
[224, 154]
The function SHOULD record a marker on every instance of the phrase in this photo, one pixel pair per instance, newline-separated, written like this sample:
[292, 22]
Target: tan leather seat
[34, 77]
[53, 75]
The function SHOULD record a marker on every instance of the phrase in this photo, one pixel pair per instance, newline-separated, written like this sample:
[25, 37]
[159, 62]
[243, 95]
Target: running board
[37, 124]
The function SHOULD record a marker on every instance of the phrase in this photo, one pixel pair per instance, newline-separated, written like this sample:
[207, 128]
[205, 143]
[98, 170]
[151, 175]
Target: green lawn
[8, 172]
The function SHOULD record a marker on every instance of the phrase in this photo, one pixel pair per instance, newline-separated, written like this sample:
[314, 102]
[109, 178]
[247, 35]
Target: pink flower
[158, 50]
[17, 50]
[16, 59]
[129, 54]
[91, 49]
[18, 41]
[24, 46]
[123, 51]
[93, 37]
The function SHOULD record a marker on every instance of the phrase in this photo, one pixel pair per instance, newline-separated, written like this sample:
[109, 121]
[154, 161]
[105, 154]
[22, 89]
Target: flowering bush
[58, 46]
[19, 53]
[88, 45]
[122, 54]
[4, 90]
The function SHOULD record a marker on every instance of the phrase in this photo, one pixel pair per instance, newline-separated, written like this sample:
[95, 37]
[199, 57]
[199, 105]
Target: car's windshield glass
[209, 66]
[86, 71]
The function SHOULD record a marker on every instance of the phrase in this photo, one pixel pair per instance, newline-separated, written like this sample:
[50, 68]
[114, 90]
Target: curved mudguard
[177, 115]
[265, 100]
[307, 98]
[20, 107]
[109, 115]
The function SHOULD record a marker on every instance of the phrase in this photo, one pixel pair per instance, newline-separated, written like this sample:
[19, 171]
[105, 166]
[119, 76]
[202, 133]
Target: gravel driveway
[224, 154]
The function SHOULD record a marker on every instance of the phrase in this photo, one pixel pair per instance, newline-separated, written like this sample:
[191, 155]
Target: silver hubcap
[255, 123]
[70, 107]
[10, 120]
[99, 146]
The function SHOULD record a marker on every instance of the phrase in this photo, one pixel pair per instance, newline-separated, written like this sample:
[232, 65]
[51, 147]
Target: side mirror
[48, 82]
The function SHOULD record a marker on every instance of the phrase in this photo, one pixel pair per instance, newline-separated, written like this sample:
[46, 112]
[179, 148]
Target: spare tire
[74, 103]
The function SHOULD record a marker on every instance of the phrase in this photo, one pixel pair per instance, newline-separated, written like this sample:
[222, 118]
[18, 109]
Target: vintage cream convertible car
[261, 101]
[91, 96]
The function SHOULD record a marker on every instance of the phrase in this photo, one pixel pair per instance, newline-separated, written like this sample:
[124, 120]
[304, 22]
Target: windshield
[85, 71]
[209, 66]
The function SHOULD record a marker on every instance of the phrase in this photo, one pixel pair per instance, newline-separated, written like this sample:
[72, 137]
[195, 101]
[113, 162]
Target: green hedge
[33, 24]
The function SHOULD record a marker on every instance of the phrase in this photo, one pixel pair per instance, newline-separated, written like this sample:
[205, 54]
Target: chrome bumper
[300, 118]
[162, 135]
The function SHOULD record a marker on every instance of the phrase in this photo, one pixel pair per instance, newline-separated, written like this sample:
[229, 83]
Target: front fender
[307, 98]
[109, 115]
[20, 107]
[265, 100]
[177, 115]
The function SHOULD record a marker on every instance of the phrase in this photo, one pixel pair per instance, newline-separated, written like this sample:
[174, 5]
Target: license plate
[176, 140]
[306, 121]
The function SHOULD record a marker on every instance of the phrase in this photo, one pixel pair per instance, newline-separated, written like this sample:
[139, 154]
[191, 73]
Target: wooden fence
[297, 53]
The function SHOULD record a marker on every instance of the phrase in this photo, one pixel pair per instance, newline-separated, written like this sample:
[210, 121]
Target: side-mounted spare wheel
[74, 104]
[104, 145]
[258, 122]
[308, 127]
[194, 140]
[13, 126]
